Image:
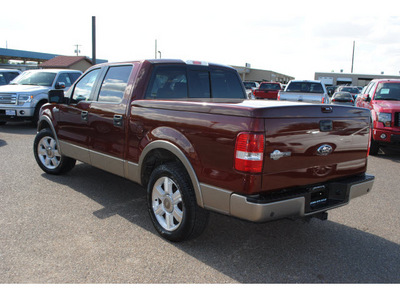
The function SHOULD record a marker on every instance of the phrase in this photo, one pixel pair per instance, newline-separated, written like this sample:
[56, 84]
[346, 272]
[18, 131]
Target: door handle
[118, 120]
[84, 115]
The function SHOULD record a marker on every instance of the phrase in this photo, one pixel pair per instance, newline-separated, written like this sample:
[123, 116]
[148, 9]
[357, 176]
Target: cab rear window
[179, 82]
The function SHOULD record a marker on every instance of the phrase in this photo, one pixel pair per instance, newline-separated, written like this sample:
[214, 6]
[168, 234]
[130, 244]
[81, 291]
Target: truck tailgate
[313, 143]
[302, 97]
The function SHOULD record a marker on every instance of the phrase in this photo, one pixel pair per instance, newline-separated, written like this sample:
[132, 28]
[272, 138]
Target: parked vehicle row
[381, 97]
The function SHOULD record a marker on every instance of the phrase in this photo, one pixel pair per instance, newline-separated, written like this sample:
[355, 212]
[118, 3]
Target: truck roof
[169, 61]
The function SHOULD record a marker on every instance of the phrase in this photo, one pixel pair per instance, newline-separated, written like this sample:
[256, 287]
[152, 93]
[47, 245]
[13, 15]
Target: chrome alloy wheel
[167, 203]
[48, 152]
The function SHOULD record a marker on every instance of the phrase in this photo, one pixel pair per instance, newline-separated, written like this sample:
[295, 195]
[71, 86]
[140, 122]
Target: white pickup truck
[23, 97]
[310, 91]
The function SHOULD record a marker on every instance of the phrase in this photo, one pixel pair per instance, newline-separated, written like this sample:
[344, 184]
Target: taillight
[249, 152]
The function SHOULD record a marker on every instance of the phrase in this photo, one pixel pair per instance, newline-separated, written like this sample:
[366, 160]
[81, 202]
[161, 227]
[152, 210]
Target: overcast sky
[296, 38]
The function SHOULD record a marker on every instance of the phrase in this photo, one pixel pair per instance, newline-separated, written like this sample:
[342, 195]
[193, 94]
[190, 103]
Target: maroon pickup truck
[186, 133]
[268, 90]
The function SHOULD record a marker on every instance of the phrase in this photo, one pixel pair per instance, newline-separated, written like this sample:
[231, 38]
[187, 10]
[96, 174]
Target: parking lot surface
[90, 226]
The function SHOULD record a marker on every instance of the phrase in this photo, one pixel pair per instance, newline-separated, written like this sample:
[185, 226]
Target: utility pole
[352, 59]
[77, 51]
[93, 40]
[155, 51]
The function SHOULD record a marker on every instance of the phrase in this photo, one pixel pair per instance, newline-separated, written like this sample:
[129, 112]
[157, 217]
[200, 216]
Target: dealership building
[332, 79]
[249, 74]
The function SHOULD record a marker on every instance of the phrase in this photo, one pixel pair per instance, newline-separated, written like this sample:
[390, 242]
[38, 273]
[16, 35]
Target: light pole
[352, 59]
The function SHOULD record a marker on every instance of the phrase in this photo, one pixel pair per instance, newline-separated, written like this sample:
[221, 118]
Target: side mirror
[366, 97]
[60, 85]
[56, 96]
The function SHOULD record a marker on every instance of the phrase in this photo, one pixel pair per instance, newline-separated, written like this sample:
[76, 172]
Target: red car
[382, 98]
[268, 90]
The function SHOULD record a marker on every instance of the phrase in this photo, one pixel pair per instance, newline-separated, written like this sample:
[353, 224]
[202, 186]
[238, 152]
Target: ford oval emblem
[324, 150]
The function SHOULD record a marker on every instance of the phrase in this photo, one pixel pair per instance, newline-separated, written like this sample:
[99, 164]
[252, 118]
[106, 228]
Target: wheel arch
[45, 122]
[162, 151]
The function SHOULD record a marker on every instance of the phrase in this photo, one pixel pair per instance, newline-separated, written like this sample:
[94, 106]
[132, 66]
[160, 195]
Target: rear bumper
[302, 202]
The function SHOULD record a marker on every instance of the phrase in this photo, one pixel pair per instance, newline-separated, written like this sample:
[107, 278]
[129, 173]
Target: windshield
[35, 78]
[388, 91]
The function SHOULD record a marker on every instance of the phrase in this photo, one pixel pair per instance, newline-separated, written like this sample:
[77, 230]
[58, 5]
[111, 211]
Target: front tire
[47, 155]
[172, 204]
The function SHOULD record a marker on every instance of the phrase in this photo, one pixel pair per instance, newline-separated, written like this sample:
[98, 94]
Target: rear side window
[114, 84]
[177, 82]
[226, 84]
[168, 82]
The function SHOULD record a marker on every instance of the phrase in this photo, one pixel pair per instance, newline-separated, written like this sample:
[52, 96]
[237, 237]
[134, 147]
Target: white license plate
[10, 112]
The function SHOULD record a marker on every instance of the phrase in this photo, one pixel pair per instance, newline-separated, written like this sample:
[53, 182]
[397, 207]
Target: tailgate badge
[278, 154]
[324, 150]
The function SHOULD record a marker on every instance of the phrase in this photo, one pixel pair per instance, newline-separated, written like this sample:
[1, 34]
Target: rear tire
[172, 204]
[47, 155]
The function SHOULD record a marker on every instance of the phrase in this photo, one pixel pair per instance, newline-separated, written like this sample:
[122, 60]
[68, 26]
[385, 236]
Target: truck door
[107, 120]
[72, 124]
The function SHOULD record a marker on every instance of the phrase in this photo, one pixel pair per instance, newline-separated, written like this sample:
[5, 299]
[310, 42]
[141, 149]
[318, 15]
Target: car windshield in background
[270, 86]
[305, 87]
[35, 78]
[388, 91]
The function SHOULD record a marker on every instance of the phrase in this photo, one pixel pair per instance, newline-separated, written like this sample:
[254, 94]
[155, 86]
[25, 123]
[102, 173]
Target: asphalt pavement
[90, 226]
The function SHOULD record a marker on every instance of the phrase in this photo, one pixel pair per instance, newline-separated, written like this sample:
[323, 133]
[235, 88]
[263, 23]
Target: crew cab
[382, 98]
[185, 131]
[268, 90]
[24, 96]
[310, 91]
